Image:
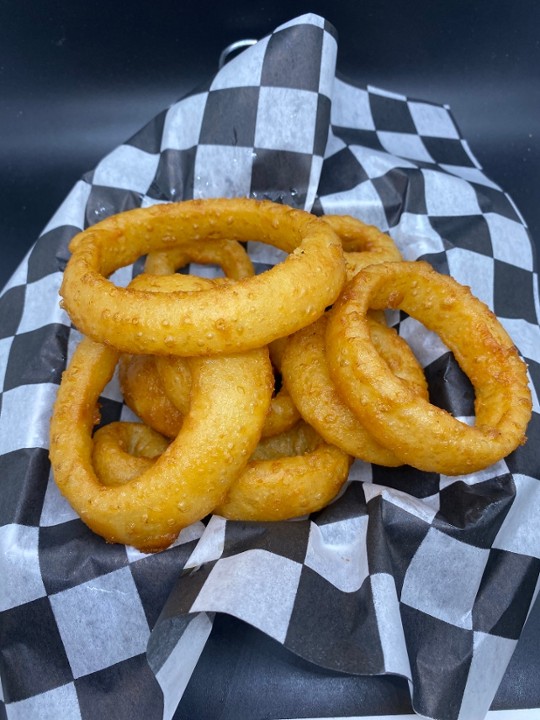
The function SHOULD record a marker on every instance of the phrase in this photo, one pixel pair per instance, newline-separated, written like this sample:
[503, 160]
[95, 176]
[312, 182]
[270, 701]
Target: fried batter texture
[229, 401]
[198, 362]
[232, 317]
[418, 432]
[306, 374]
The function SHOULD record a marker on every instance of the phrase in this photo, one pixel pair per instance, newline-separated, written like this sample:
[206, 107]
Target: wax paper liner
[410, 573]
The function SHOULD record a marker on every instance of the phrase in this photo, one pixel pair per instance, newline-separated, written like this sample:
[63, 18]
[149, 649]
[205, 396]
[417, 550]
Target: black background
[78, 78]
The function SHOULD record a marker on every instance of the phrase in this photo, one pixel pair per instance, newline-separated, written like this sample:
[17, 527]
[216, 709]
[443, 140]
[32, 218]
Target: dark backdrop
[78, 78]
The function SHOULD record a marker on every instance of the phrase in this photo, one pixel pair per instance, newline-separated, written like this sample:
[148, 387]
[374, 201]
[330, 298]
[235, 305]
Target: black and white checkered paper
[411, 573]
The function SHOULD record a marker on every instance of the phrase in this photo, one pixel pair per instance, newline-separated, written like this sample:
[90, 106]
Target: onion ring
[174, 378]
[124, 450]
[419, 433]
[282, 415]
[145, 394]
[306, 374]
[148, 385]
[173, 372]
[228, 254]
[229, 401]
[233, 317]
[289, 475]
[363, 244]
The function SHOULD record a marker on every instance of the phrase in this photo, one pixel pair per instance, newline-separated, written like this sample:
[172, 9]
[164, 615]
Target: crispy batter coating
[230, 317]
[306, 374]
[229, 402]
[418, 432]
[289, 475]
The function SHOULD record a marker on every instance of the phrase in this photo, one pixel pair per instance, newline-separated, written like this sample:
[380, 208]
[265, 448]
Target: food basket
[409, 574]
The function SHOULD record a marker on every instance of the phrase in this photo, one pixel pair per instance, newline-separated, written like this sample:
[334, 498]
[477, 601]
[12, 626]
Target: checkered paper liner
[407, 573]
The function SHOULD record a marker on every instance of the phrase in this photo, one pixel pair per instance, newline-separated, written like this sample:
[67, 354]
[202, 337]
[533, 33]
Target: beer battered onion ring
[228, 254]
[288, 475]
[282, 413]
[418, 432]
[157, 389]
[124, 450]
[363, 244]
[144, 393]
[305, 373]
[231, 317]
[175, 379]
[229, 401]
[166, 378]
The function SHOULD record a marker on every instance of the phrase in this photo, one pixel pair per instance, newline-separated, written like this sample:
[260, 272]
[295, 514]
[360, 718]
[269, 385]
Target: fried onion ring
[124, 450]
[157, 389]
[306, 374]
[175, 378]
[231, 317]
[282, 415]
[363, 244]
[419, 433]
[171, 389]
[229, 401]
[145, 394]
[228, 254]
[289, 475]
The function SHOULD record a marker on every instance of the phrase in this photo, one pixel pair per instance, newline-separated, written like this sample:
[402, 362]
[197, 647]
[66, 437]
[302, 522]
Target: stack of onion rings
[305, 371]
[419, 433]
[196, 470]
[198, 361]
[222, 319]
[230, 394]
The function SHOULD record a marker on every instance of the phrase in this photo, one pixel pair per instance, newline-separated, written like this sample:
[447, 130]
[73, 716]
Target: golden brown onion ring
[124, 450]
[229, 401]
[228, 254]
[290, 475]
[175, 378]
[232, 317]
[419, 433]
[144, 393]
[171, 389]
[363, 244]
[162, 400]
[282, 414]
[305, 372]
[159, 394]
